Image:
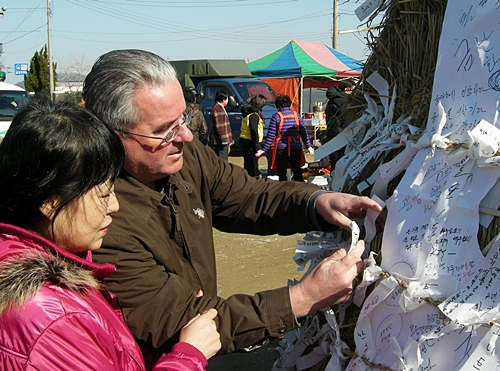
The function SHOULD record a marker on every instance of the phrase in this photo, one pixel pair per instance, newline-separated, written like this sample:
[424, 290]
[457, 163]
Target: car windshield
[248, 90]
[11, 102]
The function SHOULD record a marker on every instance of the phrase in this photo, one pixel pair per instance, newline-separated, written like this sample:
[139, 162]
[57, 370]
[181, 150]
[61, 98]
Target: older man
[174, 190]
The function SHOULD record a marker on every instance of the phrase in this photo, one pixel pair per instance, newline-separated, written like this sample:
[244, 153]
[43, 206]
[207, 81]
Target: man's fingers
[364, 203]
[351, 258]
[368, 203]
[342, 220]
[354, 255]
[360, 265]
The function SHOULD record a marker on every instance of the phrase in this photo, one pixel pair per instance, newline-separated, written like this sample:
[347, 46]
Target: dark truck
[233, 76]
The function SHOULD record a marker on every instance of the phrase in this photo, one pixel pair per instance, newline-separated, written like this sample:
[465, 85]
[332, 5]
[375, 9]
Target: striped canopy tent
[304, 64]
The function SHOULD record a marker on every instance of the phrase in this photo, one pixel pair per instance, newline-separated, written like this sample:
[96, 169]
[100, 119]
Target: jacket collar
[32, 240]
[162, 185]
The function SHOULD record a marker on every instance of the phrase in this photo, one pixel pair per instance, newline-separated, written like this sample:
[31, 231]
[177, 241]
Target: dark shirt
[333, 119]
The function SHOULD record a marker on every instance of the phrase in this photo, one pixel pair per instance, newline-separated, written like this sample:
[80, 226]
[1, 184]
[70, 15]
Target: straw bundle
[404, 51]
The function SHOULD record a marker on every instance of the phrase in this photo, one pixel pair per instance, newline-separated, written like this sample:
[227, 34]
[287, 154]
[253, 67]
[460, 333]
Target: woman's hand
[259, 153]
[201, 332]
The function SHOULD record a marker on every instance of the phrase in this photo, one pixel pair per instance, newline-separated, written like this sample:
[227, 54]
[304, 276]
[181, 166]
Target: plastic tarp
[304, 64]
[289, 86]
[305, 58]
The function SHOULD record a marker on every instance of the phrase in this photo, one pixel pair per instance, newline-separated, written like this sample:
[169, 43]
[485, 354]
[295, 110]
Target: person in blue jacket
[286, 130]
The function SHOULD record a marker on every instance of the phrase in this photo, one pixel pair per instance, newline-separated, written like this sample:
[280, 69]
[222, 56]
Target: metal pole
[49, 51]
[335, 32]
[301, 93]
[1, 44]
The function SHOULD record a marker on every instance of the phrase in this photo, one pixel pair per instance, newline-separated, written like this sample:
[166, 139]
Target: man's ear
[48, 208]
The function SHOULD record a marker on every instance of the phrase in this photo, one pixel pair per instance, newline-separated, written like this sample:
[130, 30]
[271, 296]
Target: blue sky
[175, 29]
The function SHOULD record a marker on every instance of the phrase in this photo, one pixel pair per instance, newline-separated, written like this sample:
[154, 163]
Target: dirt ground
[248, 264]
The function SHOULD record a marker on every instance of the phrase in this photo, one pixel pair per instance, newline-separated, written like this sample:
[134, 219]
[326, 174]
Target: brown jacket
[163, 249]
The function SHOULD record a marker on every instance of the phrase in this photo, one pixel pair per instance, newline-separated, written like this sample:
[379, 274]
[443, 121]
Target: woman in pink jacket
[58, 163]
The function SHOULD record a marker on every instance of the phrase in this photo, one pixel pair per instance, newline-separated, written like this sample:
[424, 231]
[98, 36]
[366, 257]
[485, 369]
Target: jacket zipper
[170, 199]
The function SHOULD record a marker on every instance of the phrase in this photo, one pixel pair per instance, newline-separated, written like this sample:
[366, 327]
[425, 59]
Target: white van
[12, 99]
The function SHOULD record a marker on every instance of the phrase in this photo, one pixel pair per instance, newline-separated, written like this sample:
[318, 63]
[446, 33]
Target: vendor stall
[301, 65]
[315, 123]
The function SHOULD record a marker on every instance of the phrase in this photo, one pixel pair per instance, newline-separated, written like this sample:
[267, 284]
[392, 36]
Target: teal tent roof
[305, 58]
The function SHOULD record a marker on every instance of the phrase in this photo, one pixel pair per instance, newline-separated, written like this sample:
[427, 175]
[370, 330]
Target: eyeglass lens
[174, 131]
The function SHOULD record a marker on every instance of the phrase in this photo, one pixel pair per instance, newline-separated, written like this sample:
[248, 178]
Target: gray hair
[110, 87]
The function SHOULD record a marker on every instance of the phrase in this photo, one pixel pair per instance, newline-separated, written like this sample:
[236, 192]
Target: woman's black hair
[53, 150]
[283, 101]
[220, 96]
[259, 101]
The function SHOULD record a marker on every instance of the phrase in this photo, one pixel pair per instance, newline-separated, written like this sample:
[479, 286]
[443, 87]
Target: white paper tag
[355, 235]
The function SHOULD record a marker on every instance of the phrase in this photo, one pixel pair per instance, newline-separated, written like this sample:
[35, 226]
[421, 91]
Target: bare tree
[70, 79]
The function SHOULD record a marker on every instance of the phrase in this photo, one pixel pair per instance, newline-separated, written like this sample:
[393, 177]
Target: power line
[184, 4]
[218, 34]
[25, 33]
[31, 10]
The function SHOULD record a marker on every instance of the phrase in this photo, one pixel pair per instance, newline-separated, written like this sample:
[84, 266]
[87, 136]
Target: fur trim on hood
[23, 275]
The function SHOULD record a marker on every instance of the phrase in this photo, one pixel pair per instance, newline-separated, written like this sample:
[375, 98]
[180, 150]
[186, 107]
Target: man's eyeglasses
[172, 133]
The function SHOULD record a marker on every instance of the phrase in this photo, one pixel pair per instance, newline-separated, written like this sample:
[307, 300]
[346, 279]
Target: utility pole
[3, 9]
[49, 52]
[335, 32]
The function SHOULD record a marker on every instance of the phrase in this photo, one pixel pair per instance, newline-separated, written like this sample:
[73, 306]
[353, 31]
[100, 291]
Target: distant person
[336, 97]
[286, 130]
[221, 136]
[40, 97]
[58, 164]
[2, 76]
[8, 103]
[252, 133]
[197, 123]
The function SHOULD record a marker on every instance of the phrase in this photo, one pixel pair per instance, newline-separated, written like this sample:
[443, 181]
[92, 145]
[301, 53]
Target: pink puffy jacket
[53, 315]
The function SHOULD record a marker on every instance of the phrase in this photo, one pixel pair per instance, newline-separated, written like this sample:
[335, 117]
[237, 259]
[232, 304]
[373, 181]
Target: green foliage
[37, 78]
[74, 97]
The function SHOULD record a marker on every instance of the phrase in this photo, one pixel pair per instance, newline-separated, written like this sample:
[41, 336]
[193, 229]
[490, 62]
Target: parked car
[12, 100]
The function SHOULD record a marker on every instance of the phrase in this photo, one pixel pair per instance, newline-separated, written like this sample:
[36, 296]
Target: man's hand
[330, 282]
[338, 208]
